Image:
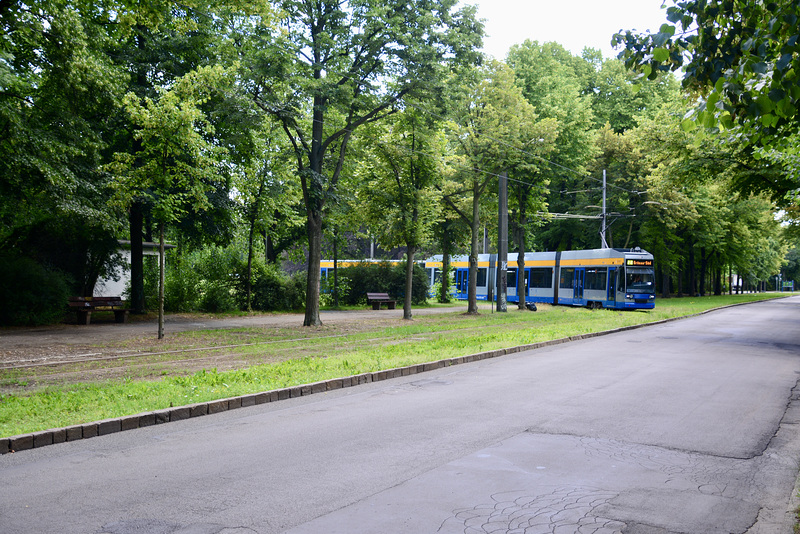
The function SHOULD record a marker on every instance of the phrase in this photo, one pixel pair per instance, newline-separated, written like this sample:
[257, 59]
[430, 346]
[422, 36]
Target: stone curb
[53, 436]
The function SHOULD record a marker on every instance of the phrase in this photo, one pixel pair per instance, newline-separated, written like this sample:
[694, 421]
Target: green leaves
[177, 164]
[741, 58]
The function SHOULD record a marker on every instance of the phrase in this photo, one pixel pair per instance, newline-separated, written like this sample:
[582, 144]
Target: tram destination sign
[638, 263]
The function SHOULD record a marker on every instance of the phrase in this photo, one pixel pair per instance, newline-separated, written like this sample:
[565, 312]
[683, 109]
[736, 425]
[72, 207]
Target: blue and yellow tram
[599, 278]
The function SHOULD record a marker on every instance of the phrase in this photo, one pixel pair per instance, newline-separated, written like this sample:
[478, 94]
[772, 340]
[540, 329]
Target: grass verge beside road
[250, 360]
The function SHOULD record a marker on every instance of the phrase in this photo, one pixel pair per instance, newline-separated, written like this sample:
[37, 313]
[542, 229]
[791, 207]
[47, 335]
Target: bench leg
[84, 316]
[120, 316]
[376, 305]
[390, 305]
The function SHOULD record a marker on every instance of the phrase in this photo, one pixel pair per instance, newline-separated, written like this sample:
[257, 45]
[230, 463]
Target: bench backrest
[96, 301]
[378, 296]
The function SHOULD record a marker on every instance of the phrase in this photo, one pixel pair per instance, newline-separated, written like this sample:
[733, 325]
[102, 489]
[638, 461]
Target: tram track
[129, 355]
[44, 362]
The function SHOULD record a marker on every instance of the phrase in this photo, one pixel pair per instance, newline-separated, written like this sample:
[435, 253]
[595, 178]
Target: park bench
[84, 306]
[376, 299]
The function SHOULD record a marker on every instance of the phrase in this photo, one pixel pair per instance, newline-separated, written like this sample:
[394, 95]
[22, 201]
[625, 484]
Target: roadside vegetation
[203, 365]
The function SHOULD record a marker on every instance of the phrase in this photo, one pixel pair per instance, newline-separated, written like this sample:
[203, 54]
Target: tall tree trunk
[628, 239]
[255, 210]
[335, 268]
[472, 293]
[410, 252]
[730, 279]
[703, 269]
[136, 209]
[136, 220]
[314, 229]
[269, 247]
[444, 293]
[249, 281]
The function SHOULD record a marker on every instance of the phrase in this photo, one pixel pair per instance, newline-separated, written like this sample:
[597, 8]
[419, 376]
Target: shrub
[384, 278]
[217, 298]
[273, 290]
[217, 267]
[39, 295]
[181, 282]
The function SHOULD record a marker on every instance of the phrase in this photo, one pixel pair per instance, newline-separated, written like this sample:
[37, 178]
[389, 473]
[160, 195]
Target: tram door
[580, 275]
[462, 283]
[612, 284]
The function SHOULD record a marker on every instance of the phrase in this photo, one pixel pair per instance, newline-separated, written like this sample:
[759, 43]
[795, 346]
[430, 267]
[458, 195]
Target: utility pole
[603, 223]
[502, 245]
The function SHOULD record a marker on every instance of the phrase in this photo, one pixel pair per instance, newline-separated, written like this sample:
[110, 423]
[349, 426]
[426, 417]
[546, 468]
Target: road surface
[684, 427]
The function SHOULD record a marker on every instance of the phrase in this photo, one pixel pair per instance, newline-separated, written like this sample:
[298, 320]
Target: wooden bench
[376, 299]
[84, 306]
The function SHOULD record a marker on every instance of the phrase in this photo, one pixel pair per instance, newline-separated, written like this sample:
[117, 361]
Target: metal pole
[603, 227]
[502, 245]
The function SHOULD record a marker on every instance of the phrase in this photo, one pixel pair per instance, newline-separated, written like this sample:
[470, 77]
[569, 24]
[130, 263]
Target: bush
[217, 298]
[39, 295]
[213, 280]
[181, 282]
[273, 290]
[216, 268]
[383, 278]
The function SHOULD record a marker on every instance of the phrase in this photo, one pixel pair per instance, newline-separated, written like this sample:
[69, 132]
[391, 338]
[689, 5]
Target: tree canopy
[741, 61]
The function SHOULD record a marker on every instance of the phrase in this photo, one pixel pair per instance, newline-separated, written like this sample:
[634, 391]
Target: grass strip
[426, 339]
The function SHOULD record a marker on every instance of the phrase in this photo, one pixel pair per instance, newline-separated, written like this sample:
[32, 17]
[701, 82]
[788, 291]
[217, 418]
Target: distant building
[109, 287]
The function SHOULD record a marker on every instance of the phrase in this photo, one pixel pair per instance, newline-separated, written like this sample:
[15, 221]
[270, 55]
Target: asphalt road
[684, 427]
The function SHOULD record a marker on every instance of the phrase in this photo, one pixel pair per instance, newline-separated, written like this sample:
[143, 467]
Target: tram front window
[640, 281]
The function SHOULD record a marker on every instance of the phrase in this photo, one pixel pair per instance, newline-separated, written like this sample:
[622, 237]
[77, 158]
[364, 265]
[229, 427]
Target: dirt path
[20, 346]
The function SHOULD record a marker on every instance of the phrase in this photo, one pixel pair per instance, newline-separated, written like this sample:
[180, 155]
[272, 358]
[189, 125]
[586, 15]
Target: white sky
[572, 23]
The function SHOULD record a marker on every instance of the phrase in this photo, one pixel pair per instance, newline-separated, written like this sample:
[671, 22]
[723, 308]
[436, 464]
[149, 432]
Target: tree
[178, 162]
[492, 124]
[400, 180]
[695, 221]
[57, 87]
[740, 59]
[619, 99]
[265, 196]
[558, 85]
[527, 192]
[155, 42]
[339, 65]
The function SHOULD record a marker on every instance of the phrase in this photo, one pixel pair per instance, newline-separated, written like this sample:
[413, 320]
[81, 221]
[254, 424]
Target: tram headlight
[629, 296]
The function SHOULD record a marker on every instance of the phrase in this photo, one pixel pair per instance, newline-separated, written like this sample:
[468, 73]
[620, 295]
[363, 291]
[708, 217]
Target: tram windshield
[639, 280]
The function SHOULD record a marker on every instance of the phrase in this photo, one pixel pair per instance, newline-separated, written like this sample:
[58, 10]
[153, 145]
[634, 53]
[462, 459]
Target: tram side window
[542, 278]
[437, 275]
[596, 278]
[567, 277]
[482, 276]
[511, 278]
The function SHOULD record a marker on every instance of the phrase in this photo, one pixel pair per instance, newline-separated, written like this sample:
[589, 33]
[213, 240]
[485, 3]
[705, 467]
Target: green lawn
[301, 356]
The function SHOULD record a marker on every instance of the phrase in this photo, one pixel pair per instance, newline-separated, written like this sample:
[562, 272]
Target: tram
[598, 278]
